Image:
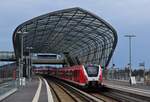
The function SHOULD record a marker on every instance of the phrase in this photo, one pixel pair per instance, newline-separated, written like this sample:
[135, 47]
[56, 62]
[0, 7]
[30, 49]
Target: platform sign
[142, 65]
[23, 81]
[133, 81]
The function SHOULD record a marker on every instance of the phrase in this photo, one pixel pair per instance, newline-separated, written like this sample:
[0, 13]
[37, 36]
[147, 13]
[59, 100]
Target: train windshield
[92, 71]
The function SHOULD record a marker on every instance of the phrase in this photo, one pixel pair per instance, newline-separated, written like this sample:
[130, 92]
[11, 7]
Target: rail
[74, 93]
[127, 95]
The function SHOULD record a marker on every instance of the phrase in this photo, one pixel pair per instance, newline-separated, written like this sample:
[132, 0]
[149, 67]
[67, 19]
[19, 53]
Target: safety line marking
[49, 94]
[36, 97]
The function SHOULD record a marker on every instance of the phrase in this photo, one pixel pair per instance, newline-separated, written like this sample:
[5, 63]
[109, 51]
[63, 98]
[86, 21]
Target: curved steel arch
[83, 35]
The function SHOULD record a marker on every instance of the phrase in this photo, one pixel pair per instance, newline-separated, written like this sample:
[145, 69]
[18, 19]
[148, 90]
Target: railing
[7, 78]
[143, 78]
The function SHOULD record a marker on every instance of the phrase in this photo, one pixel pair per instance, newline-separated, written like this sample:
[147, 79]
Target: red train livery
[82, 75]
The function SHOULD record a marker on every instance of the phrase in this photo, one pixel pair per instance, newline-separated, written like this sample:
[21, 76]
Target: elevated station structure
[8, 56]
[81, 36]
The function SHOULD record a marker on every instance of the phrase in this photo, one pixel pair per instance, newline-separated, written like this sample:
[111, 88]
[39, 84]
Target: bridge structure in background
[7, 56]
[48, 61]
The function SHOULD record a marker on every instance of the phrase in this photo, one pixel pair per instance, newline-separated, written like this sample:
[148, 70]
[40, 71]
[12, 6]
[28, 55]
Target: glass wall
[7, 77]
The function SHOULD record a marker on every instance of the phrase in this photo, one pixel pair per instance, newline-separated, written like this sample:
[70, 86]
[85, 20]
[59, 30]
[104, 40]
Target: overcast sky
[126, 16]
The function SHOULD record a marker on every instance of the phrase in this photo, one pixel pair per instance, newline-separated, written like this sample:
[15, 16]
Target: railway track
[67, 92]
[103, 97]
[122, 96]
[63, 92]
[60, 94]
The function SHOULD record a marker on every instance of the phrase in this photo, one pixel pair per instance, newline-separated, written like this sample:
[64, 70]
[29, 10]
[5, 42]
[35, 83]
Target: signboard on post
[142, 65]
[133, 81]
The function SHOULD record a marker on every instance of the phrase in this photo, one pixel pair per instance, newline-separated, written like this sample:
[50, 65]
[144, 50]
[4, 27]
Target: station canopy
[81, 36]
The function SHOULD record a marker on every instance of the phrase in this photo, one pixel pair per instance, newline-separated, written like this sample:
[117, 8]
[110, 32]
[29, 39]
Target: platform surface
[139, 89]
[126, 83]
[30, 92]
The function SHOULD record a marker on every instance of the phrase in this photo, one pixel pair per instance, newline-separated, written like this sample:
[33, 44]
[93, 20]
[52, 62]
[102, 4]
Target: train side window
[75, 75]
[78, 75]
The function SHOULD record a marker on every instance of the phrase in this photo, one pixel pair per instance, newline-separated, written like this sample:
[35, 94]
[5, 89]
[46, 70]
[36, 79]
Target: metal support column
[29, 62]
[130, 63]
[21, 62]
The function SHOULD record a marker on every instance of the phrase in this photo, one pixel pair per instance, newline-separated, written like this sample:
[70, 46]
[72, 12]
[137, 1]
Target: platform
[126, 87]
[126, 83]
[35, 90]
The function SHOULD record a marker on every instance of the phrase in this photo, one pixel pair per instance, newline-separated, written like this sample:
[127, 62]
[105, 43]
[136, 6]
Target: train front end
[94, 75]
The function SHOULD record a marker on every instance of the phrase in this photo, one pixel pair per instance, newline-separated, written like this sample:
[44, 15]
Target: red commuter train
[82, 75]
